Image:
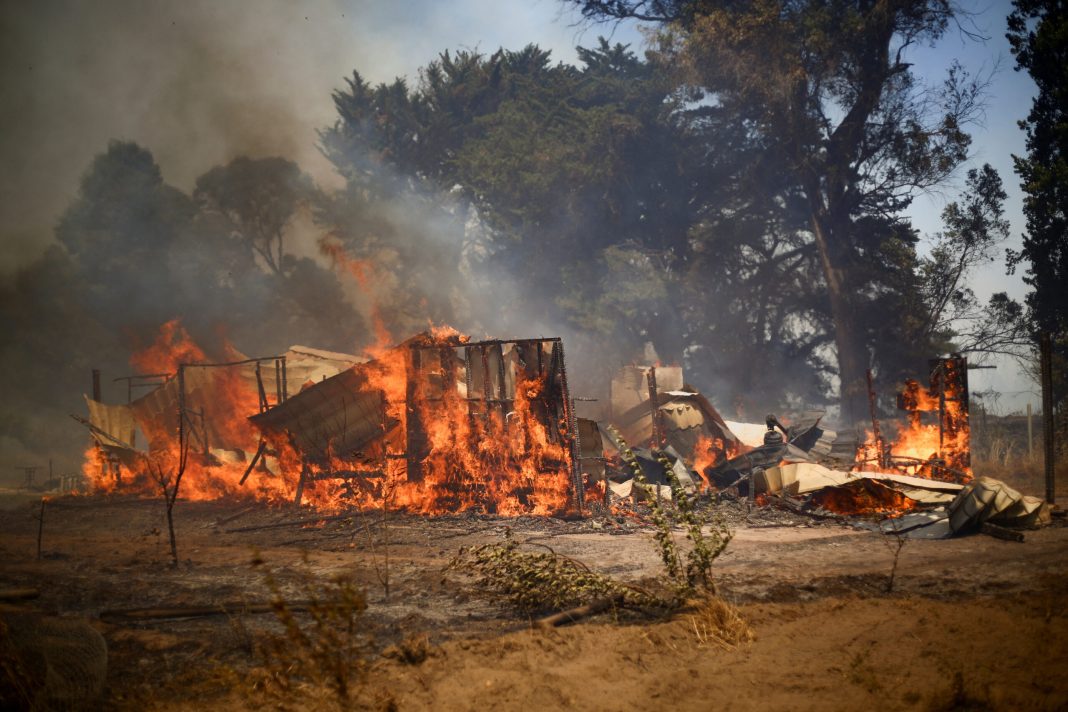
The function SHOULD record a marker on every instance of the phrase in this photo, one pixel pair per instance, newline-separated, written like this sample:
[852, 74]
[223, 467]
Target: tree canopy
[1038, 33]
[829, 91]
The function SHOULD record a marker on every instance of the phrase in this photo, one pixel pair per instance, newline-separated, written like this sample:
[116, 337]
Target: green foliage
[1038, 33]
[696, 576]
[258, 198]
[828, 96]
[665, 538]
[704, 547]
[544, 580]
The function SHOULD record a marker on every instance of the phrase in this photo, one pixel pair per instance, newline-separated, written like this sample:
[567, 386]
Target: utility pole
[1030, 435]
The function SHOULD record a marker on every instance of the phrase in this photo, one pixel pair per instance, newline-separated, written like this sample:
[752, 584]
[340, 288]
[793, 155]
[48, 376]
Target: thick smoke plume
[194, 85]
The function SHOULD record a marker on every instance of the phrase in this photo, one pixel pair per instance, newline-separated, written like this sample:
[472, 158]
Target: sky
[198, 82]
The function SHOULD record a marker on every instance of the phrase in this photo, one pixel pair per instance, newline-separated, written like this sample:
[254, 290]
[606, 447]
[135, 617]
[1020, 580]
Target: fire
[172, 347]
[448, 450]
[710, 451]
[440, 448]
[204, 411]
[862, 497]
[936, 446]
[362, 271]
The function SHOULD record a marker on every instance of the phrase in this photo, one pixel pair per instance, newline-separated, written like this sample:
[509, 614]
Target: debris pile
[440, 423]
[917, 481]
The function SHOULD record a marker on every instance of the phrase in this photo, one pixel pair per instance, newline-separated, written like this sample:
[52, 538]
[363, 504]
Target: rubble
[440, 423]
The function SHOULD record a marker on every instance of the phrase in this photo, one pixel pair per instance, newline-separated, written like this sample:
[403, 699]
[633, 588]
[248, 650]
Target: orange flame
[936, 446]
[863, 497]
[173, 346]
[496, 455]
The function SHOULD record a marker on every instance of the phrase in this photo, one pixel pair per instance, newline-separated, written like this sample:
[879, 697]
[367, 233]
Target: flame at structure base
[935, 440]
[437, 424]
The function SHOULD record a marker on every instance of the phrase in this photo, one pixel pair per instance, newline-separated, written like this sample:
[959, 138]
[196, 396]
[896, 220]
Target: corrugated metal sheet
[115, 423]
[340, 414]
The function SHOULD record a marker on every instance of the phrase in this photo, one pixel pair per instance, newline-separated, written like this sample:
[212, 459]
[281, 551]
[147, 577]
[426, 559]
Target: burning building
[935, 440]
[436, 424]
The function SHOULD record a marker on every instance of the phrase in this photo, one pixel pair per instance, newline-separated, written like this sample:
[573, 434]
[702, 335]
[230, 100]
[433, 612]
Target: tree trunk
[170, 526]
[851, 365]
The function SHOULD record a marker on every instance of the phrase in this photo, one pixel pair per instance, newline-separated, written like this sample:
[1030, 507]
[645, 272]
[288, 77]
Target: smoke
[197, 84]
[202, 81]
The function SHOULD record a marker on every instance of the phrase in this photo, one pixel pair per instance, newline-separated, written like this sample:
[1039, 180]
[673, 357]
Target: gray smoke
[197, 83]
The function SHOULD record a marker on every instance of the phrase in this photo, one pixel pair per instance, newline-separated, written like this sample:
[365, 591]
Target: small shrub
[544, 580]
[325, 642]
[696, 575]
[535, 581]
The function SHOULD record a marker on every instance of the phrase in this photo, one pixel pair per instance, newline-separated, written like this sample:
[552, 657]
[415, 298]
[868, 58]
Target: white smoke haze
[199, 82]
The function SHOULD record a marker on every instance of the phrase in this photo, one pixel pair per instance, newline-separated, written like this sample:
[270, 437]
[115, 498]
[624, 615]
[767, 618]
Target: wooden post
[1030, 435]
[40, 527]
[467, 379]
[285, 383]
[96, 385]
[876, 431]
[654, 404]
[1045, 349]
[416, 443]
[181, 404]
[300, 483]
[502, 386]
[260, 390]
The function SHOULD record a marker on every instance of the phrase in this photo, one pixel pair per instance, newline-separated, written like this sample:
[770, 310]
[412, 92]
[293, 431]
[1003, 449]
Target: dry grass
[718, 622]
[1019, 471]
[324, 646]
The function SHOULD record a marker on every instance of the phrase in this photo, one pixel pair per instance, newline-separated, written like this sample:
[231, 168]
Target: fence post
[1030, 435]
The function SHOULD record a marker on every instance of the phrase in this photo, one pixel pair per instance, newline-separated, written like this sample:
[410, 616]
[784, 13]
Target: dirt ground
[972, 622]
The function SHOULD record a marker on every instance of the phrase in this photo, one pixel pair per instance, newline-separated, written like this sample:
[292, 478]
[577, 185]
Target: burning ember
[862, 497]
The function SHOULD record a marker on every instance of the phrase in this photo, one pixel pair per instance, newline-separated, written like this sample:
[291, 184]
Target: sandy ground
[971, 623]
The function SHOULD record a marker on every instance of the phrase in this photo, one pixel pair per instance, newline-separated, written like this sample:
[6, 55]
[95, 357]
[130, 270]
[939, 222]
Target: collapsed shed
[437, 423]
[488, 421]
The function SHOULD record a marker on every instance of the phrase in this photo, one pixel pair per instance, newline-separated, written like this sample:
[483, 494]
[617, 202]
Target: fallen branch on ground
[291, 523]
[133, 615]
[579, 612]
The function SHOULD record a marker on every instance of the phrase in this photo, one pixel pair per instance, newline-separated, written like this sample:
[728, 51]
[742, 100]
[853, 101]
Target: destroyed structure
[435, 424]
[441, 424]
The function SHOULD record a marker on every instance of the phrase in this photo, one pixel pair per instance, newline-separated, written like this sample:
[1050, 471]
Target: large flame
[501, 456]
[935, 439]
[209, 422]
[495, 457]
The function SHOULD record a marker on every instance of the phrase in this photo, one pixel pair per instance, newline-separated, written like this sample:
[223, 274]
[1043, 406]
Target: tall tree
[249, 210]
[1038, 33]
[119, 232]
[602, 199]
[259, 197]
[827, 87]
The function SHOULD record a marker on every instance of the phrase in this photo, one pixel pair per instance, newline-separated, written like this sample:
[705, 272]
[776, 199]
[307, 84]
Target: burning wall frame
[947, 397]
[344, 418]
